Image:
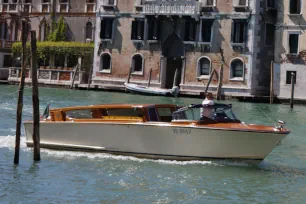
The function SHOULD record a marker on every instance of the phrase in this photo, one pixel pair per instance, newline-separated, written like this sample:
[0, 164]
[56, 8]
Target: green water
[76, 177]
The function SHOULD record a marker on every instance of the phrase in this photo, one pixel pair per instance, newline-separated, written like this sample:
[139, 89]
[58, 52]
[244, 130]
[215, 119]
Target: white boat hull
[154, 140]
[135, 88]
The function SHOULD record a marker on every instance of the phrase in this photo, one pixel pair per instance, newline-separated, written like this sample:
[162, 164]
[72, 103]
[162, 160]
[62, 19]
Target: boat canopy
[220, 113]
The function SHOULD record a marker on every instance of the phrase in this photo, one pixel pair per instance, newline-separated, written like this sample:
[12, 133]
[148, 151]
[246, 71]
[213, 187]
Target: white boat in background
[135, 88]
[157, 131]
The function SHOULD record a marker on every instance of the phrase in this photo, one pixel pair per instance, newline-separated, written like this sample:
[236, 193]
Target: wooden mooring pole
[209, 81]
[292, 89]
[150, 75]
[272, 83]
[35, 99]
[220, 83]
[20, 92]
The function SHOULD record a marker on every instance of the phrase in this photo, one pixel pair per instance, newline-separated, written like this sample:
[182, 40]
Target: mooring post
[292, 89]
[150, 75]
[129, 76]
[20, 92]
[209, 81]
[35, 99]
[272, 83]
[220, 83]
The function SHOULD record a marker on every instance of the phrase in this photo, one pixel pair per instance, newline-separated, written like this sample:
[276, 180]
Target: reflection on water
[78, 177]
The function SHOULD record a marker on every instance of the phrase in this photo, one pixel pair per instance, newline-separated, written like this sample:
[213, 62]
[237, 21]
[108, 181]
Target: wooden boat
[157, 131]
[145, 90]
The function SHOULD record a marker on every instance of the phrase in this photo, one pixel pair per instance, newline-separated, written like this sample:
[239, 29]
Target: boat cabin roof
[115, 112]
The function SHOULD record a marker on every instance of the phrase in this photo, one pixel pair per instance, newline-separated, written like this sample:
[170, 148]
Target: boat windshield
[220, 113]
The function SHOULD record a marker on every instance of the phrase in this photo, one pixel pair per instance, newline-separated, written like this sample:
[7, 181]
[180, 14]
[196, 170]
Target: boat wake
[9, 142]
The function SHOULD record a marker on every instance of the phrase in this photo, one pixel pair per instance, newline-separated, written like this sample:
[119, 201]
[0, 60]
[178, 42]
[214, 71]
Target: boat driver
[207, 111]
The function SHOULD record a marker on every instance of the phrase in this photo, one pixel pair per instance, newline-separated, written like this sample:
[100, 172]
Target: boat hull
[134, 88]
[157, 141]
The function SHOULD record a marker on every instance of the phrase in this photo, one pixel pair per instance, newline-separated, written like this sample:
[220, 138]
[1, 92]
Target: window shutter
[133, 31]
[102, 29]
[233, 32]
[113, 28]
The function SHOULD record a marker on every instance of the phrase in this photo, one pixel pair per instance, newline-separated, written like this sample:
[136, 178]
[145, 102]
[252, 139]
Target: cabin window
[204, 66]
[295, 6]
[207, 30]
[293, 43]
[165, 114]
[79, 114]
[137, 63]
[132, 112]
[138, 29]
[106, 32]
[190, 30]
[239, 30]
[288, 77]
[105, 62]
[152, 114]
[270, 29]
[237, 69]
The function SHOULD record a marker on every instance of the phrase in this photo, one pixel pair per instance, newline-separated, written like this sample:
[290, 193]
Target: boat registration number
[181, 131]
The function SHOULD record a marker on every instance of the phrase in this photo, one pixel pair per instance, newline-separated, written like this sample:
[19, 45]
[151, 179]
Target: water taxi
[157, 131]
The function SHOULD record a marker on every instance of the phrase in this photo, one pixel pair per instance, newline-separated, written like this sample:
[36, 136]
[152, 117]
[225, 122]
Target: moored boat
[158, 131]
[145, 90]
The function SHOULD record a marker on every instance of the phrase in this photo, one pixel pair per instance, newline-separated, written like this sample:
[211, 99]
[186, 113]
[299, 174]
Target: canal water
[76, 177]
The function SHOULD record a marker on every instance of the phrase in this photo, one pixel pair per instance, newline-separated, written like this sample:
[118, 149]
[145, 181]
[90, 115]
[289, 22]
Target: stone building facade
[78, 15]
[192, 38]
[290, 49]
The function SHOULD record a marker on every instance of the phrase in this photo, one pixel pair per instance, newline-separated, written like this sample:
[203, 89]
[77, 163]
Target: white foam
[9, 142]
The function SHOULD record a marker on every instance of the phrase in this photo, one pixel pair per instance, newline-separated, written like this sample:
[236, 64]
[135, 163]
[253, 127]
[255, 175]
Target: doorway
[173, 64]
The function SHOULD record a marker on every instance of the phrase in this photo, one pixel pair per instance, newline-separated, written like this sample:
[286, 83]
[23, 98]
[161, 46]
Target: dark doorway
[173, 51]
[173, 64]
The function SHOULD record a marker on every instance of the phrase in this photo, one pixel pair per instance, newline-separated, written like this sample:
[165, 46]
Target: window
[295, 6]
[153, 29]
[209, 3]
[45, 5]
[270, 30]
[88, 31]
[44, 62]
[110, 3]
[90, 6]
[270, 3]
[152, 114]
[63, 6]
[3, 31]
[288, 77]
[27, 5]
[240, 3]
[239, 31]
[204, 66]
[138, 29]
[190, 30]
[237, 69]
[206, 30]
[137, 63]
[106, 32]
[293, 43]
[9, 5]
[7, 61]
[131, 112]
[105, 62]
[44, 30]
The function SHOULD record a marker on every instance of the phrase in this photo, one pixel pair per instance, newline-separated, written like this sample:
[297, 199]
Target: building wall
[284, 61]
[122, 49]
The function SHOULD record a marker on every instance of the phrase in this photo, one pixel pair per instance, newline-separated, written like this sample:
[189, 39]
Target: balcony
[163, 7]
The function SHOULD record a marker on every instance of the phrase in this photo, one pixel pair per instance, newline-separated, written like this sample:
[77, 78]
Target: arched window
[105, 62]
[204, 66]
[237, 69]
[43, 31]
[137, 63]
[88, 31]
